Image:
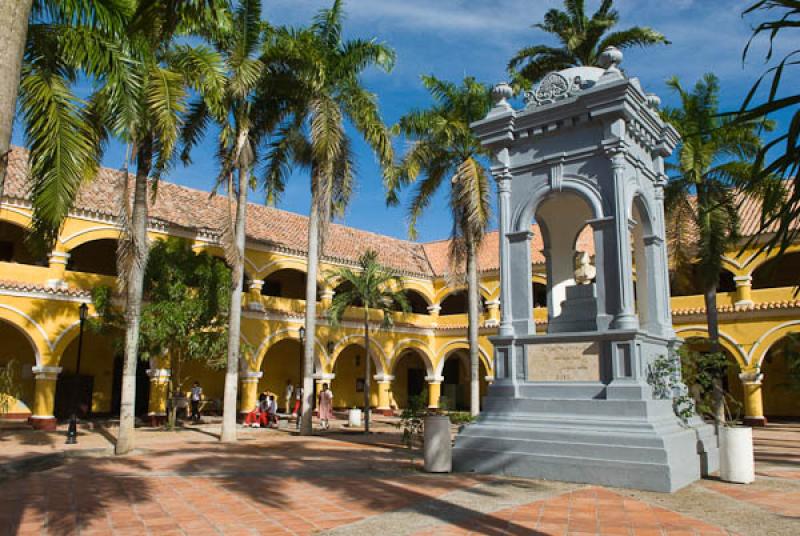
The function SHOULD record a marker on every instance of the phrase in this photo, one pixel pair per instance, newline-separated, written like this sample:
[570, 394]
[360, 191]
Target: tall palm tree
[147, 113]
[371, 286]
[444, 148]
[780, 157]
[713, 160]
[65, 40]
[582, 40]
[233, 111]
[327, 72]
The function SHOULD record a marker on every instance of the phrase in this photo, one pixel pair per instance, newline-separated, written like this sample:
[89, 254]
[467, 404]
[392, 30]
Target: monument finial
[610, 58]
[501, 92]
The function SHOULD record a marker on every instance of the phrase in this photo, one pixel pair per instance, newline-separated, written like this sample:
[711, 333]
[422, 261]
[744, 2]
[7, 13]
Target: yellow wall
[97, 360]
[50, 321]
[347, 373]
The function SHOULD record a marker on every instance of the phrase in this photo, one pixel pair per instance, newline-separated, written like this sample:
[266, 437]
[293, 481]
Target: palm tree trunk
[14, 22]
[710, 297]
[472, 328]
[228, 433]
[368, 371]
[311, 316]
[133, 304]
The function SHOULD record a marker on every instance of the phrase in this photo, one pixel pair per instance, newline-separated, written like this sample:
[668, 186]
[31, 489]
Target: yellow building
[425, 350]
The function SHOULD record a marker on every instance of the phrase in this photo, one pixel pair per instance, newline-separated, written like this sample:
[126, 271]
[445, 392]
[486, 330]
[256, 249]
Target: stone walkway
[342, 483]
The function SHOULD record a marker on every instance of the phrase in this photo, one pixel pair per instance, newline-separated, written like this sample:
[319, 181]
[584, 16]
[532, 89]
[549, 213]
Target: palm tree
[443, 148]
[233, 112]
[371, 286]
[582, 41]
[146, 112]
[713, 160]
[64, 40]
[781, 210]
[328, 88]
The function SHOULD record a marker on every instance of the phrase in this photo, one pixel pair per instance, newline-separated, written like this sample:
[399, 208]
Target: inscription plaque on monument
[565, 361]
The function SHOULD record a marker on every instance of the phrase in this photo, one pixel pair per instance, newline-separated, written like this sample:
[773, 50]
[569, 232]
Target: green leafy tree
[246, 112]
[713, 160]
[582, 40]
[147, 111]
[445, 151]
[369, 287]
[185, 314]
[326, 70]
[780, 157]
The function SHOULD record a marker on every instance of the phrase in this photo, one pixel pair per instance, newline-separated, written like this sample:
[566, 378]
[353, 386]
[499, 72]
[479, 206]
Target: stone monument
[575, 404]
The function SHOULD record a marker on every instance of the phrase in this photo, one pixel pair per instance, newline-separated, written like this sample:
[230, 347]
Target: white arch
[410, 343]
[88, 230]
[722, 335]
[765, 335]
[443, 353]
[580, 186]
[343, 343]
[293, 333]
[37, 355]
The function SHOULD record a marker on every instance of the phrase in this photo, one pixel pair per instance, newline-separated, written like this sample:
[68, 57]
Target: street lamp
[72, 431]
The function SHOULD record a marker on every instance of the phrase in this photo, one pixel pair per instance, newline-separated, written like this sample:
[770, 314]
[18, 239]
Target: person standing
[298, 404]
[288, 394]
[196, 397]
[325, 406]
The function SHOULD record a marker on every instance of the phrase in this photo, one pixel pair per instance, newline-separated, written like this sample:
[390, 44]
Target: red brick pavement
[585, 511]
[786, 503]
[285, 487]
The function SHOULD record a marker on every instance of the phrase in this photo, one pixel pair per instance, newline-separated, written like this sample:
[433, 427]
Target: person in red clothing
[258, 416]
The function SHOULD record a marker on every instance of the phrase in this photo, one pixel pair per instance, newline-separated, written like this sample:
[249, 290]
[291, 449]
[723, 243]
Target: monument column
[625, 315]
[503, 216]
[662, 257]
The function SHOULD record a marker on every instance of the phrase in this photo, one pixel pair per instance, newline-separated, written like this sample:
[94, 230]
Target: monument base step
[630, 444]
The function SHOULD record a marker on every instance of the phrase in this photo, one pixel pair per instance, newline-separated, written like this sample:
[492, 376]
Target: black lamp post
[72, 431]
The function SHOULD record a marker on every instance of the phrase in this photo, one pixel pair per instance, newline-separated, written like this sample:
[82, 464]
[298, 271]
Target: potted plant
[703, 373]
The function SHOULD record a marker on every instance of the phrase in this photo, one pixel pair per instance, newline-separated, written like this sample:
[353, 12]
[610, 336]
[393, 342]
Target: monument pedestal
[575, 422]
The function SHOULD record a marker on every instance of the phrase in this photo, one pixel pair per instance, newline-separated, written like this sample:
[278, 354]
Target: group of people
[265, 414]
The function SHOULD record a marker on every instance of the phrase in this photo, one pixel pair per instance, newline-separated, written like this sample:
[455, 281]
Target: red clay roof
[196, 210]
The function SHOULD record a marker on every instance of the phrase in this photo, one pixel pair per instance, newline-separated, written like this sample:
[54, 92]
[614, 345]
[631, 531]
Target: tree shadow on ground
[72, 497]
[293, 478]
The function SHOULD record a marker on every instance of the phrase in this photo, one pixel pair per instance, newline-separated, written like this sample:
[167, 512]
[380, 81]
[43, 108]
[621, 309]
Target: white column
[504, 218]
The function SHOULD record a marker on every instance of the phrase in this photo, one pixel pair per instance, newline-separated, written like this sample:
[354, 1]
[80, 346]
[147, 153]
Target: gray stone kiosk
[584, 158]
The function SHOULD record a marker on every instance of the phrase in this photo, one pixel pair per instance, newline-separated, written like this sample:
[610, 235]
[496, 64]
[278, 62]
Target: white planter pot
[736, 462]
[438, 448]
[354, 417]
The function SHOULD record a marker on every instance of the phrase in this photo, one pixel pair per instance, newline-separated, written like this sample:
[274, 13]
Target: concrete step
[620, 409]
[612, 450]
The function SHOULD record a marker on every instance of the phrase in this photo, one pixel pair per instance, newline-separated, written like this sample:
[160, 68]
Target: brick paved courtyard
[272, 482]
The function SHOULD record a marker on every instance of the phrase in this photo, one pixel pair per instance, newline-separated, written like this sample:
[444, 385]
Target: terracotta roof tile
[30, 287]
[197, 210]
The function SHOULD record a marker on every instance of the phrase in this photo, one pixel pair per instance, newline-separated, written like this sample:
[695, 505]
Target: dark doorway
[142, 387]
[416, 382]
[73, 392]
[452, 388]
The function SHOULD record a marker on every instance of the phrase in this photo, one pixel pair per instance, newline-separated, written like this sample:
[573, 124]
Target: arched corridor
[781, 384]
[409, 378]
[13, 248]
[348, 384]
[95, 257]
[455, 394]
[18, 353]
[283, 361]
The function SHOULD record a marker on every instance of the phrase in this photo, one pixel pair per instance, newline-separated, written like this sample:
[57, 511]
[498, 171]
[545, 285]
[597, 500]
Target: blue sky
[454, 38]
